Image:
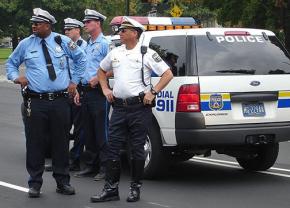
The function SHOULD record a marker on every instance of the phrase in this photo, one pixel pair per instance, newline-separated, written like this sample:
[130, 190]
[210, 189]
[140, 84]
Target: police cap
[70, 23]
[93, 15]
[41, 15]
[131, 23]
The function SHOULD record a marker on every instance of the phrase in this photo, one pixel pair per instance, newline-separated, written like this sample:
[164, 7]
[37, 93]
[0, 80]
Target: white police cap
[41, 15]
[70, 23]
[93, 15]
[131, 23]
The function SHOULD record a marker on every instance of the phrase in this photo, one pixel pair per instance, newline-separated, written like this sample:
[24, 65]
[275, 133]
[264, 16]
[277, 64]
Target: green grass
[4, 54]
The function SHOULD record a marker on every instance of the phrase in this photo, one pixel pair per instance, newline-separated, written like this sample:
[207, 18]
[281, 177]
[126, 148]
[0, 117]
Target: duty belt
[88, 88]
[46, 95]
[128, 101]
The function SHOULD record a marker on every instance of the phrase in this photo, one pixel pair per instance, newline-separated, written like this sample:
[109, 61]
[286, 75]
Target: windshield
[238, 55]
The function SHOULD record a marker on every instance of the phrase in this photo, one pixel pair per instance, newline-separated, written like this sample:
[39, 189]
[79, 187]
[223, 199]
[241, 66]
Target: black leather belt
[46, 95]
[128, 101]
[88, 88]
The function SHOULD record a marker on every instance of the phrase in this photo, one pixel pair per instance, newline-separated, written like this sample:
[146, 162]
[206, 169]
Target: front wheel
[156, 158]
[263, 158]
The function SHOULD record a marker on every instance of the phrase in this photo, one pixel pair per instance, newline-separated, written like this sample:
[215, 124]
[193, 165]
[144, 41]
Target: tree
[15, 14]
[14, 18]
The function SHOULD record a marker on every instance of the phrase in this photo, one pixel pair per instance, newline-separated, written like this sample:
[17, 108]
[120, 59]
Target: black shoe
[134, 193]
[65, 189]
[48, 167]
[85, 173]
[33, 192]
[109, 193]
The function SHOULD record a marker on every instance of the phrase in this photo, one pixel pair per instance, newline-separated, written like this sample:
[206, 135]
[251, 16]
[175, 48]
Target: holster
[153, 103]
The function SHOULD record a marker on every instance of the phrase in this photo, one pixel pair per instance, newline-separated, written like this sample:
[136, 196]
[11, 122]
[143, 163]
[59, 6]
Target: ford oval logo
[255, 83]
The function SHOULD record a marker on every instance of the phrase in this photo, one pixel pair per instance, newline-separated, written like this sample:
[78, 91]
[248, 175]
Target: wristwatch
[153, 92]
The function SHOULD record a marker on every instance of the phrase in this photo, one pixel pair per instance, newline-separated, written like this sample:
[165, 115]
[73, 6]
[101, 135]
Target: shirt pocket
[60, 60]
[115, 63]
[32, 58]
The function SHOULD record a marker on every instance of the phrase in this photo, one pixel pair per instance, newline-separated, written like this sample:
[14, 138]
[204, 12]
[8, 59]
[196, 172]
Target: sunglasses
[123, 30]
[37, 23]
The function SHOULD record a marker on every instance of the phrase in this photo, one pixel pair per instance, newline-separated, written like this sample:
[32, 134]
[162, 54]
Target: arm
[162, 69]
[104, 51]
[165, 79]
[79, 59]
[163, 82]
[104, 84]
[13, 63]
[95, 80]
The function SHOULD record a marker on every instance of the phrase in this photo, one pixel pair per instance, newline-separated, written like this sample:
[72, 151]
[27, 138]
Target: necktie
[49, 65]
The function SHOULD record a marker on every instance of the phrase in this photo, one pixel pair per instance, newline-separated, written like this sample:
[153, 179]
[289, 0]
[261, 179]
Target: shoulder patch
[79, 42]
[72, 45]
[156, 57]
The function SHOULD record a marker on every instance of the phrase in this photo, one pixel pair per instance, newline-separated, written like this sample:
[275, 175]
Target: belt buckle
[50, 96]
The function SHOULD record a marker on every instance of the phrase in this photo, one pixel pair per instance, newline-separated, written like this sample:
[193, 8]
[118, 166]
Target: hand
[148, 98]
[94, 81]
[22, 80]
[77, 99]
[109, 95]
[72, 88]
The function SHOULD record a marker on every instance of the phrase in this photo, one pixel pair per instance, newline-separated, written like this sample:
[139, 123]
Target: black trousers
[95, 110]
[49, 120]
[78, 134]
[129, 122]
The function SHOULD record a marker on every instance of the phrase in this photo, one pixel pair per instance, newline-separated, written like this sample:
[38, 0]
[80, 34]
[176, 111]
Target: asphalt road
[215, 182]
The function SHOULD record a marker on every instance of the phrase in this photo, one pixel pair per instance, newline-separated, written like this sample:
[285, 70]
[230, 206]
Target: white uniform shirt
[126, 65]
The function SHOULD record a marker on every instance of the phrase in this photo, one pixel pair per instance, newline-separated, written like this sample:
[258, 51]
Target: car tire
[156, 157]
[265, 158]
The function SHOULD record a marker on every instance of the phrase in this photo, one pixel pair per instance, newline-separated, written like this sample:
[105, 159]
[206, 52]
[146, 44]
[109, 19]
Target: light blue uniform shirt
[96, 52]
[83, 47]
[30, 52]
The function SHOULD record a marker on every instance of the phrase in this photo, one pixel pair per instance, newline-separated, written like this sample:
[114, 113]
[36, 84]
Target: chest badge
[58, 49]
[216, 102]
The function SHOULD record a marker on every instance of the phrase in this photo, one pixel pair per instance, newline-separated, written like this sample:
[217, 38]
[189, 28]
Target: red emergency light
[237, 33]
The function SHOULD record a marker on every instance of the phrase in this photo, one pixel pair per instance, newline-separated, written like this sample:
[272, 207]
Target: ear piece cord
[58, 40]
[143, 52]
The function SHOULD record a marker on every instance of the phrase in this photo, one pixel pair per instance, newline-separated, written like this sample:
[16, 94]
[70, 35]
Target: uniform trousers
[47, 120]
[78, 134]
[95, 110]
[129, 122]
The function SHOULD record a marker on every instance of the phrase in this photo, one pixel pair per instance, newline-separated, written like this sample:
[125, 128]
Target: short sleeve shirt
[127, 64]
[95, 52]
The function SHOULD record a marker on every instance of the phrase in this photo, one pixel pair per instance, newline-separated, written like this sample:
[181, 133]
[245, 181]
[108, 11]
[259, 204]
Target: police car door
[243, 75]
[172, 49]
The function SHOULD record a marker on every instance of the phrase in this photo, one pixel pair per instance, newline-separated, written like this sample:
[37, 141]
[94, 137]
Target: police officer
[46, 98]
[94, 105]
[72, 29]
[132, 102]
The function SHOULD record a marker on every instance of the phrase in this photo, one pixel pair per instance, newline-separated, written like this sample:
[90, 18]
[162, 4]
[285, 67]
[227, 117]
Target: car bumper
[203, 135]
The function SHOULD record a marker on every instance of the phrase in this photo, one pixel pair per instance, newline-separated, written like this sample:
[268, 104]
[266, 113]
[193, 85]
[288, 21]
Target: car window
[238, 55]
[172, 50]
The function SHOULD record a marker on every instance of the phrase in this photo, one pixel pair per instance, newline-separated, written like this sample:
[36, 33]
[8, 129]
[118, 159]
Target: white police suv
[230, 93]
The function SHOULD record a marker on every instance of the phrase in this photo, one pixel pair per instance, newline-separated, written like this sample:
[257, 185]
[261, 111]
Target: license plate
[253, 109]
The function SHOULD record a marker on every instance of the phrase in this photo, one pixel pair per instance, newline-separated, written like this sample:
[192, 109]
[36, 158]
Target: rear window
[239, 55]
[172, 50]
